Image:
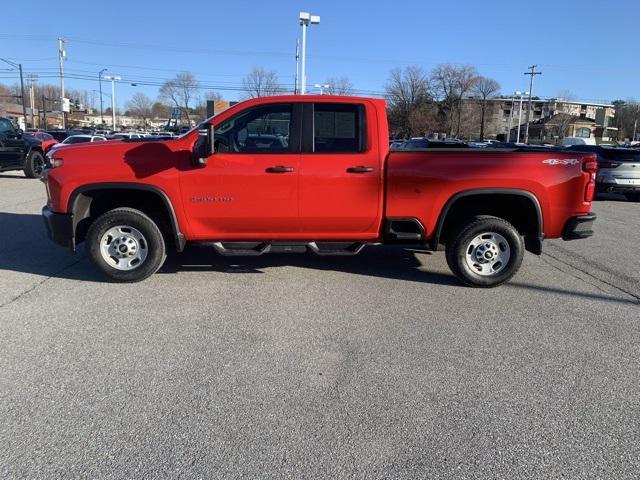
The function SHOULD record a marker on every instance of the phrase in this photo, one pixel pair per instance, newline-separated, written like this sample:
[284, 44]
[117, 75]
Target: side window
[259, 130]
[337, 128]
[6, 126]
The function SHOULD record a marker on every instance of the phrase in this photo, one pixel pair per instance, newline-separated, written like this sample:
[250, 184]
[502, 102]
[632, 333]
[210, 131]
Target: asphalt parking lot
[376, 366]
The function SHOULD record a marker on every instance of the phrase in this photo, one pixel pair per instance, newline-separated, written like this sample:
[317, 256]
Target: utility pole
[532, 74]
[295, 84]
[100, 83]
[44, 113]
[61, 57]
[32, 98]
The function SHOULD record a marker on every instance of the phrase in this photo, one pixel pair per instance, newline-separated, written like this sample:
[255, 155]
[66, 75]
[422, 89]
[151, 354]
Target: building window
[583, 132]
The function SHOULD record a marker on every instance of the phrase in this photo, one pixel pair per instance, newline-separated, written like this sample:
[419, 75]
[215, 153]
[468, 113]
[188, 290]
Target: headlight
[55, 162]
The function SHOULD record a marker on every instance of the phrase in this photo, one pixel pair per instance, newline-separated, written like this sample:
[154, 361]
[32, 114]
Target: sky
[579, 46]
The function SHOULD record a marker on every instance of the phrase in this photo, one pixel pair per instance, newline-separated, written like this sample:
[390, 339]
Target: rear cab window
[339, 128]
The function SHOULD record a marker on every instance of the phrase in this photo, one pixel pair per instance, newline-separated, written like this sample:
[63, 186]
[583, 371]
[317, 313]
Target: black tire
[633, 197]
[155, 245]
[34, 164]
[459, 244]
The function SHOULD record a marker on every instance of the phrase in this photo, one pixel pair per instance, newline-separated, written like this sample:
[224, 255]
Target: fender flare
[75, 201]
[534, 245]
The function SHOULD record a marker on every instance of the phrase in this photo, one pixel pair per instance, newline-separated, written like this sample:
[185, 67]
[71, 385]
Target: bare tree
[408, 92]
[452, 83]
[261, 83]
[485, 88]
[181, 91]
[140, 106]
[339, 86]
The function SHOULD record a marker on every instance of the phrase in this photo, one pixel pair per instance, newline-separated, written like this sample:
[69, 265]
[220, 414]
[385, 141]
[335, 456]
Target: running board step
[245, 249]
[335, 248]
[254, 249]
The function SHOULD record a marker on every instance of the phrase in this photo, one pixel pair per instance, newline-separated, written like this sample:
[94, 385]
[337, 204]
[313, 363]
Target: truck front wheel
[126, 245]
[34, 164]
[485, 252]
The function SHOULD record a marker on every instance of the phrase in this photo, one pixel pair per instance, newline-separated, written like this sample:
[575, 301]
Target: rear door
[340, 172]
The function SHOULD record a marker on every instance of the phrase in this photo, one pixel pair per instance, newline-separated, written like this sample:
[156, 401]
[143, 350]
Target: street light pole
[513, 102]
[520, 115]
[306, 19]
[113, 79]
[24, 107]
[321, 87]
[100, 82]
[61, 56]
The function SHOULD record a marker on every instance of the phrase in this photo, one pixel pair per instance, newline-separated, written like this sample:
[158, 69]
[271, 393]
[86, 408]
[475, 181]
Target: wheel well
[521, 210]
[88, 205]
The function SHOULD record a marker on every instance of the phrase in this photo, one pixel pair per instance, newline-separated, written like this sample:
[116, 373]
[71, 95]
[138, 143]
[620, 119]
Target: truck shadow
[24, 248]
[393, 262]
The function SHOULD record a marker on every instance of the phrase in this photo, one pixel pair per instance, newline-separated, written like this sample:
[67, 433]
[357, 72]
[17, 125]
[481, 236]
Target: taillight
[590, 166]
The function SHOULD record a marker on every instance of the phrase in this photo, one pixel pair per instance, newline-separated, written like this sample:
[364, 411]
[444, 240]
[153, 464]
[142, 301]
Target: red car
[296, 173]
[46, 140]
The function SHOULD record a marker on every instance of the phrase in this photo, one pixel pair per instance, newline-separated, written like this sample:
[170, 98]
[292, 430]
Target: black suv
[19, 152]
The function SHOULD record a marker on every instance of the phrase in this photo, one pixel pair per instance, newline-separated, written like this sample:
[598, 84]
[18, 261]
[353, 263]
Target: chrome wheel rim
[124, 247]
[488, 254]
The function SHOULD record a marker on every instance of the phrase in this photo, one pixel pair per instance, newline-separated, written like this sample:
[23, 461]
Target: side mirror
[19, 133]
[204, 146]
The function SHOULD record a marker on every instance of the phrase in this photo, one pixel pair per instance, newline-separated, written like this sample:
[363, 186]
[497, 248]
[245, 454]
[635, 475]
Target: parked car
[618, 169]
[567, 141]
[420, 143]
[58, 134]
[19, 151]
[123, 136]
[331, 188]
[75, 139]
[46, 140]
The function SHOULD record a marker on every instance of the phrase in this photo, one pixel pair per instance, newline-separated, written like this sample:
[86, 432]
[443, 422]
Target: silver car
[618, 170]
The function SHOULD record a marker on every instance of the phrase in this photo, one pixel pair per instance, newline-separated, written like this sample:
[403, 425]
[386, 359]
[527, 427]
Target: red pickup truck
[297, 173]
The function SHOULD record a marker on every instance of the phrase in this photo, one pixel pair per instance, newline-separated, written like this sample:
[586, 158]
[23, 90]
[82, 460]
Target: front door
[340, 173]
[249, 187]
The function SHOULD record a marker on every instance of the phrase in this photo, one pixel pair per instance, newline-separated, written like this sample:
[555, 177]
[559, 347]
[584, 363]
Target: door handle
[279, 169]
[359, 169]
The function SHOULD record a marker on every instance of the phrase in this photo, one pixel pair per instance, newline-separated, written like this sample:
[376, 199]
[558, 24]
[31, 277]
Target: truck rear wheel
[126, 245]
[486, 252]
[34, 164]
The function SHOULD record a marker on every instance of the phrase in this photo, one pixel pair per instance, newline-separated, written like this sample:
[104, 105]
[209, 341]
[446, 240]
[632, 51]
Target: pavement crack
[41, 282]
[585, 272]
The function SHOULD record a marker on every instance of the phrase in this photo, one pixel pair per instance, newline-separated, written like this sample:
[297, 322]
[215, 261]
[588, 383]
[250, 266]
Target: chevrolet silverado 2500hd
[315, 173]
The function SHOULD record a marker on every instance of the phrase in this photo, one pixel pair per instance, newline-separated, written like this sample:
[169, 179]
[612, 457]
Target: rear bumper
[59, 228]
[579, 227]
[613, 187]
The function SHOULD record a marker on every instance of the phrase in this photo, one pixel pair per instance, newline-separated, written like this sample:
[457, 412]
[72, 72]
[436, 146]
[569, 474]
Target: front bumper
[59, 228]
[579, 227]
